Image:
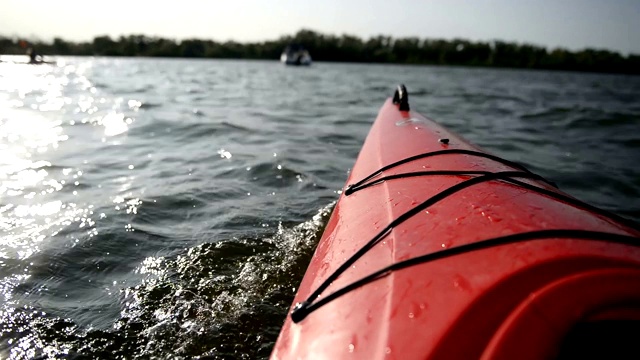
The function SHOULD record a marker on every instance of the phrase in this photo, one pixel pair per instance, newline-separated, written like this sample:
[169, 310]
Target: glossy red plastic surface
[455, 308]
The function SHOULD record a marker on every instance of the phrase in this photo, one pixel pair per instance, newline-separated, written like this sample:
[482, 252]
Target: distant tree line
[347, 48]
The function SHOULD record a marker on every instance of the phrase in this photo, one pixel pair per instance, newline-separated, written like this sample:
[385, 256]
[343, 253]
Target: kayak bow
[439, 250]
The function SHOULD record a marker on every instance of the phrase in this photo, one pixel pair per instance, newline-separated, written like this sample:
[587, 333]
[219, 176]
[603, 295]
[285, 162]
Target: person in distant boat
[34, 58]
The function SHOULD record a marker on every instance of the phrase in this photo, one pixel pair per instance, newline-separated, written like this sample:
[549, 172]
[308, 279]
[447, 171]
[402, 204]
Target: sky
[572, 24]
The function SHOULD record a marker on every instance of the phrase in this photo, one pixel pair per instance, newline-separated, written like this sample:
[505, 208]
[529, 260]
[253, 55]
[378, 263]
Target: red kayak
[439, 250]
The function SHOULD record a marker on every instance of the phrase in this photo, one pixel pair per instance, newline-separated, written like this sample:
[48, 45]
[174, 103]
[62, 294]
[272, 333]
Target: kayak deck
[468, 299]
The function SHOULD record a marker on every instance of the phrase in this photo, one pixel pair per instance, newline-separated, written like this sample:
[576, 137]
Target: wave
[227, 298]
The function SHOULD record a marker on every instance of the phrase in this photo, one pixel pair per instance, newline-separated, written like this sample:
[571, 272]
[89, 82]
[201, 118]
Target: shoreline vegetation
[347, 48]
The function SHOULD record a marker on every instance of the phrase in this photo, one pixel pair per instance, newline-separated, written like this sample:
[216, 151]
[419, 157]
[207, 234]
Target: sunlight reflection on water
[32, 206]
[26, 184]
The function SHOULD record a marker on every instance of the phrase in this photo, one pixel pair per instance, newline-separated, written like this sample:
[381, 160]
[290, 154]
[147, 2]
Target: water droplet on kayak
[353, 344]
[387, 350]
[446, 244]
[461, 283]
[416, 310]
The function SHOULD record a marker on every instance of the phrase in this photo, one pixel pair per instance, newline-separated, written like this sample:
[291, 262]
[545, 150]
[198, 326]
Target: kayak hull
[464, 306]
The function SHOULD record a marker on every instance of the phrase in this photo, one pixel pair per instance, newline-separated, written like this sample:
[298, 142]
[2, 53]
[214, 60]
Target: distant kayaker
[33, 55]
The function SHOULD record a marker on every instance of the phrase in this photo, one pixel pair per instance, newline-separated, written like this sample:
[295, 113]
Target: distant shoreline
[348, 49]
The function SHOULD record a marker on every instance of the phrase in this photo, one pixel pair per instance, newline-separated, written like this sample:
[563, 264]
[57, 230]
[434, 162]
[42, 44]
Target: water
[155, 208]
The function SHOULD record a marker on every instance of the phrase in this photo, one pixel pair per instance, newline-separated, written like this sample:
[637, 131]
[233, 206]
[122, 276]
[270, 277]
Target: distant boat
[40, 62]
[295, 55]
[19, 60]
